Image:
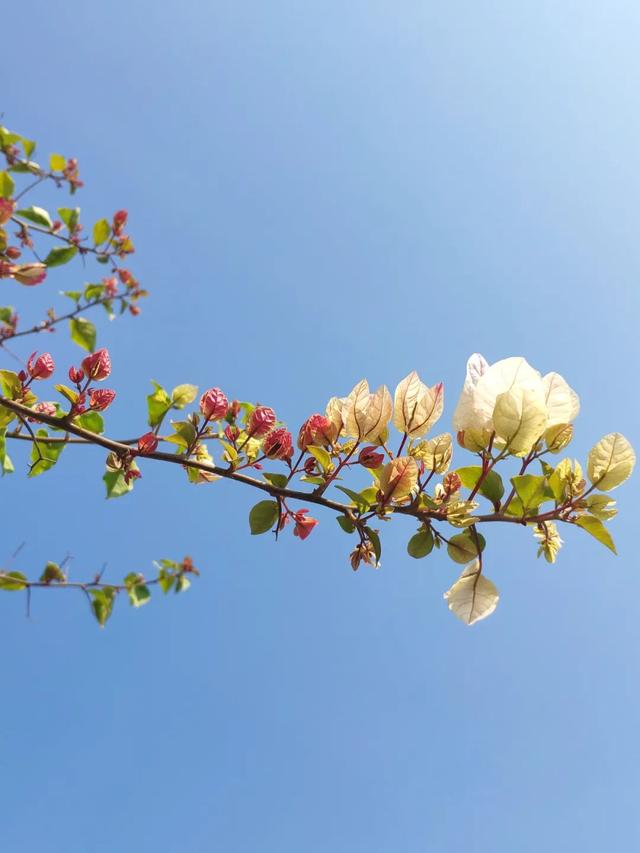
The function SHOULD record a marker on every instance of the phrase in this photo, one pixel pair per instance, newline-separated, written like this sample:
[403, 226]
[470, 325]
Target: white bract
[513, 400]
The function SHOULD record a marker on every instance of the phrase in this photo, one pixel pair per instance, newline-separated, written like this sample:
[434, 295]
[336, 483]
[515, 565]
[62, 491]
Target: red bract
[370, 457]
[261, 421]
[316, 430]
[147, 443]
[101, 398]
[278, 444]
[119, 220]
[213, 404]
[97, 365]
[76, 375]
[7, 206]
[29, 274]
[44, 409]
[304, 525]
[41, 367]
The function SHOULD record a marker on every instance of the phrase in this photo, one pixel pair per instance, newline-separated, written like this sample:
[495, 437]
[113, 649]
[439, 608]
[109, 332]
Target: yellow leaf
[610, 462]
[399, 478]
[366, 415]
[519, 418]
[472, 597]
[417, 407]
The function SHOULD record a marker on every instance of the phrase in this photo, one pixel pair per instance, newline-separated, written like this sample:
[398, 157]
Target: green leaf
[277, 480]
[93, 421]
[321, 456]
[6, 465]
[597, 529]
[492, 487]
[158, 404]
[60, 255]
[7, 186]
[71, 395]
[6, 313]
[12, 581]
[11, 384]
[93, 291]
[373, 537]
[345, 523]
[263, 516]
[116, 484]
[420, 544]
[532, 491]
[101, 232]
[37, 215]
[462, 547]
[182, 395]
[44, 455]
[137, 590]
[83, 333]
[102, 604]
[28, 146]
[184, 433]
[70, 216]
[182, 583]
[361, 502]
[57, 162]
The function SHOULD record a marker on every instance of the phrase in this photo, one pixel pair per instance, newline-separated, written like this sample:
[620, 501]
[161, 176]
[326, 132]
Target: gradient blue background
[321, 192]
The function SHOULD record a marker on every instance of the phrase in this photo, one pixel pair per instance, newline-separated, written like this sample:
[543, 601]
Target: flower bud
[41, 367]
[76, 375]
[29, 274]
[7, 206]
[278, 444]
[317, 430]
[119, 220]
[97, 365]
[369, 457]
[147, 443]
[101, 398]
[213, 404]
[13, 252]
[261, 421]
[231, 433]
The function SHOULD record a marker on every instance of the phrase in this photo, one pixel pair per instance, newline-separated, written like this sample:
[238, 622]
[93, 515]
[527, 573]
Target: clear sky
[321, 192]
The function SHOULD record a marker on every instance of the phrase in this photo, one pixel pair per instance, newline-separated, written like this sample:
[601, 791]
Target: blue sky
[321, 192]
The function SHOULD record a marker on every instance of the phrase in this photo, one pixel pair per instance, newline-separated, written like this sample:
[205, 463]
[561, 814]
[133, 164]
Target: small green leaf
[462, 547]
[6, 465]
[373, 537]
[357, 498]
[70, 216]
[37, 215]
[184, 433]
[263, 516]
[12, 581]
[137, 590]
[53, 573]
[345, 523]
[420, 544]
[92, 421]
[101, 232]
[597, 529]
[102, 604]
[492, 487]
[93, 291]
[277, 480]
[57, 162]
[158, 404]
[7, 186]
[70, 395]
[182, 395]
[532, 491]
[60, 255]
[116, 484]
[321, 456]
[83, 333]
[44, 455]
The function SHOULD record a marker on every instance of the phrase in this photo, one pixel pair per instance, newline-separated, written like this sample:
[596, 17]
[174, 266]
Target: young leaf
[277, 480]
[116, 483]
[83, 333]
[69, 216]
[263, 516]
[44, 455]
[345, 523]
[101, 232]
[158, 404]
[373, 537]
[102, 604]
[532, 490]
[57, 162]
[7, 186]
[610, 462]
[597, 529]
[462, 547]
[321, 456]
[12, 581]
[60, 255]
[182, 395]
